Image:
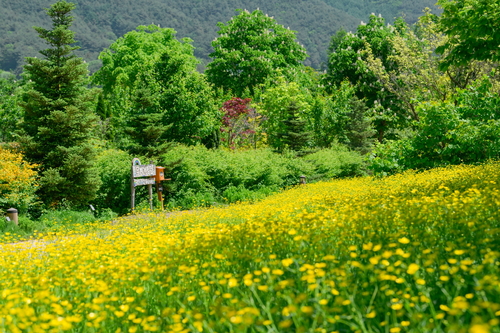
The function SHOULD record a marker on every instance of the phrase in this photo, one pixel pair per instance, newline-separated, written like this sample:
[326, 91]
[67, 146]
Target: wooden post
[132, 186]
[135, 161]
[12, 215]
[150, 191]
[159, 190]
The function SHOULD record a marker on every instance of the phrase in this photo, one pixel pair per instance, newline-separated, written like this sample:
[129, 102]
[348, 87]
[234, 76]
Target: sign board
[155, 175]
[144, 181]
[147, 170]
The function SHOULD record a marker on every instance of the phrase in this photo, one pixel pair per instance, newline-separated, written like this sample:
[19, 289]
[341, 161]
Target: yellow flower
[263, 288]
[236, 319]
[479, 328]
[412, 269]
[371, 314]
[397, 306]
[403, 240]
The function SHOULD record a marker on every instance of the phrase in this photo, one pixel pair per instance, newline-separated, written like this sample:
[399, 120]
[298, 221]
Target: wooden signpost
[154, 175]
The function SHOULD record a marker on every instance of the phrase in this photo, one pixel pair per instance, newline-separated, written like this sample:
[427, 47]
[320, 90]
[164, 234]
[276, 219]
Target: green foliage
[123, 62]
[205, 176]
[162, 97]
[472, 29]
[58, 121]
[205, 173]
[98, 24]
[241, 194]
[390, 157]
[274, 104]
[342, 117]
[10, 112]
[295, 136]
[415, 75]
[391, 9]
[50, 222]
[182, 98]
[251, 48]
[114, 168]
[347, 61]
[335, 162]
[464, 130]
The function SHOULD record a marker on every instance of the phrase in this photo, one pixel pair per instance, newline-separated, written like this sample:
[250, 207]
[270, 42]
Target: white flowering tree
[251, 48]
[347, 60]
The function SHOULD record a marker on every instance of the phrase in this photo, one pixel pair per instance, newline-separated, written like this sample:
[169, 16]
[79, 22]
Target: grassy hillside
[99, 23]
[407, 253]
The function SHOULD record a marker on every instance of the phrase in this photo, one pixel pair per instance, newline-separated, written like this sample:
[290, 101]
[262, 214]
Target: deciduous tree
[172, 102]
[347, 61]
[252, 47]
[473, 29]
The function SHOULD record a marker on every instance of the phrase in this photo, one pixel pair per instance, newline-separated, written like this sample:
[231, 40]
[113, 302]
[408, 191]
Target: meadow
[414, 252]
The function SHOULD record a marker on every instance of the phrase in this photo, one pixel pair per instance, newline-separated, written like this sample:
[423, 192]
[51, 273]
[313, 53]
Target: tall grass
[415, 252]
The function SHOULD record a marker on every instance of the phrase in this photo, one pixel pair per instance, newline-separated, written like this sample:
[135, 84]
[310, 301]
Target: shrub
[207, 176]
[465, 130]
[335, 162]
[113, 166]
[17, 181]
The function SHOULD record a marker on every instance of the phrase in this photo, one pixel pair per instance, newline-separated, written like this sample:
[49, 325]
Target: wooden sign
[147, 170]
[144, 181]
[138, 170]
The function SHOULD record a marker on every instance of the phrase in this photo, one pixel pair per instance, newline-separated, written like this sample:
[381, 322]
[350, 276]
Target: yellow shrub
[17, 181]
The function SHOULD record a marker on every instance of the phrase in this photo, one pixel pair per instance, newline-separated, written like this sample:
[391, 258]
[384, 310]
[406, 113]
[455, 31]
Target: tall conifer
[59, 121]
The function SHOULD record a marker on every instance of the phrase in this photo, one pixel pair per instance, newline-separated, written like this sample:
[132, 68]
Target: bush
[335, 162]
[463, 131]
[17, 182]
[209, 176]
[113, 166]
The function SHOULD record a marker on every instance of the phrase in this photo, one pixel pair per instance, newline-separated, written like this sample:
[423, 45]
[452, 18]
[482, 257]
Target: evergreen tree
[359, 130]
[296, 136]
[59, 120]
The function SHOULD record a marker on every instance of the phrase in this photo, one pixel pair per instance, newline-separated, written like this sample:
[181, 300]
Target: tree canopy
[347, 61]
[250, 48]
[473, 28]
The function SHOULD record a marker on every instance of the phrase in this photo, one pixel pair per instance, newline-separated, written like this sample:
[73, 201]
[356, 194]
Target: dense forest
[99, 23]
[391, 97]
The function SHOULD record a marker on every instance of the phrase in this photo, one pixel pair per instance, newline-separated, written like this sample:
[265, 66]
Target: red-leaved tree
[240, 123]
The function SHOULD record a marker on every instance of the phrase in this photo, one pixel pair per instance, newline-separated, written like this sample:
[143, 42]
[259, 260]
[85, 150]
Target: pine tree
[360, 130]
[296, 137]
[59, 120]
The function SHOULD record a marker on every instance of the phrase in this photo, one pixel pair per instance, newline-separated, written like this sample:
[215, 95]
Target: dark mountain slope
[389, 9]
[99, 22]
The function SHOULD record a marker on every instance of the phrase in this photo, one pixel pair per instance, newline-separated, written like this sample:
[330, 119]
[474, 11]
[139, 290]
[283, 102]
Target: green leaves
[348, 61]
[250, 48]
[473, 30]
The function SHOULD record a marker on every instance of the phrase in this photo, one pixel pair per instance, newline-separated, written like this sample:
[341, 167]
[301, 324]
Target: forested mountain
[100, 22]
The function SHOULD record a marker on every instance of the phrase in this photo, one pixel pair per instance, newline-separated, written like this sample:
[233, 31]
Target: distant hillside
[100, 22]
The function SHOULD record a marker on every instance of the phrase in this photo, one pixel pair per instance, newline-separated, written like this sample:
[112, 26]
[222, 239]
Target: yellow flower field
[408, 253]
